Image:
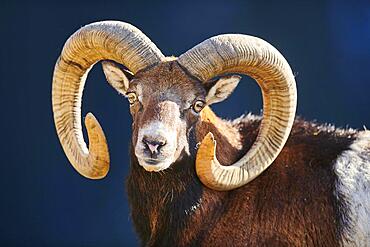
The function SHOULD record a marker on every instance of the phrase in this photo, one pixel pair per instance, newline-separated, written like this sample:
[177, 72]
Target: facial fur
[163, 114]
[165, 104]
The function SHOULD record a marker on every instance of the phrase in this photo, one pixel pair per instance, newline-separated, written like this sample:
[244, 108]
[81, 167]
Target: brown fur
[164, 82]
[292, 203]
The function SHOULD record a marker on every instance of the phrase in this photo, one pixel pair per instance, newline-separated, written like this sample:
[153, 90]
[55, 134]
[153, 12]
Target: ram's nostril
[161, 143]
[154, 145]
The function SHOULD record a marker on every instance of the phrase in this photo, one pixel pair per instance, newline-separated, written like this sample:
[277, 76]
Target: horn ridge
[113, 40]
[244, 54]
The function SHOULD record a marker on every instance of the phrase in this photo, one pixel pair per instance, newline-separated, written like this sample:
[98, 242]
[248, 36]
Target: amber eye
[132, 98]
[198, 106]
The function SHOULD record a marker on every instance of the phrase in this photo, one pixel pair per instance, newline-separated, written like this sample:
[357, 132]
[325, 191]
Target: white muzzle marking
[165, 156]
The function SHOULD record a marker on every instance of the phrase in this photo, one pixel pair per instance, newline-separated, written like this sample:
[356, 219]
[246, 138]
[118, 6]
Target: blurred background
[44, 202]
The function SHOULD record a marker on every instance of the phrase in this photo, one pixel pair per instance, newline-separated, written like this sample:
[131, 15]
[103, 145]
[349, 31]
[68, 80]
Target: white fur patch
[353, 170]
[157, 129]
[154, 168]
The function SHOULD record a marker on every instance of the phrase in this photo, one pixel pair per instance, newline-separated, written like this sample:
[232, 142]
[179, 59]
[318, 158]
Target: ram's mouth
[152, 161]
[154, 165]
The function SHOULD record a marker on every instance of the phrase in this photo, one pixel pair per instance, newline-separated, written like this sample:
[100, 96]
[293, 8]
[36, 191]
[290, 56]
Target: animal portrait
[196, 179]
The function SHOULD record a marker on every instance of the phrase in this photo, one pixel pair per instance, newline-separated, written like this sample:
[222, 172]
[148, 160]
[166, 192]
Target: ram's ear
[118, 77]
[220, 89]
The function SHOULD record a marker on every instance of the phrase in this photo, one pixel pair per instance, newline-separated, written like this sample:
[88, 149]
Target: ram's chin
[150, 166]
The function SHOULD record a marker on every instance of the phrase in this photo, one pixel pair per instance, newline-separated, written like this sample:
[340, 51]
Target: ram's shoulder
[305, 137]
[352, 169]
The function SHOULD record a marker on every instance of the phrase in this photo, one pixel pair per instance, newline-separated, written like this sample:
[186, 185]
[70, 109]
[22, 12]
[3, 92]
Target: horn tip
[209, 138]
[207, 148]
[91, 122]
[97, 176]
[98, 148]
[89, 117]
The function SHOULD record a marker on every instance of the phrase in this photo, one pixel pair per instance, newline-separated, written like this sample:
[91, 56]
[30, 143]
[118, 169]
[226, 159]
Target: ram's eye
[132, 98]
[198, 106]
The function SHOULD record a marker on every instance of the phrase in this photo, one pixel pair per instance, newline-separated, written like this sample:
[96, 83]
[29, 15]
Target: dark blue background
[44, 202]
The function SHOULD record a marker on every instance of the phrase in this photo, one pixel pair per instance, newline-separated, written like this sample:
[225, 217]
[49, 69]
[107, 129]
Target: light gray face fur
[168, 129]
[165, 104]
[353, 170]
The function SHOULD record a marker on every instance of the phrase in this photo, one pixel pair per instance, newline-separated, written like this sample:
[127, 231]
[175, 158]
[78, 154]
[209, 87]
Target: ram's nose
[154, 145]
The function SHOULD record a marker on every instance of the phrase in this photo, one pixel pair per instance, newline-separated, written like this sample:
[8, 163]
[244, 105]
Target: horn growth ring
[111, 40]
[237, 53]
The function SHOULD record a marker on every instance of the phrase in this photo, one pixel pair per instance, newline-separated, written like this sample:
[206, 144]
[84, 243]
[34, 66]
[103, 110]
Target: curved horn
[236, 53]
[112, 40]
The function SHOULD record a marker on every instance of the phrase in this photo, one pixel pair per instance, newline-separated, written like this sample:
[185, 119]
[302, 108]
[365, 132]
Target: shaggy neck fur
[164, 204]
[292, 203]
